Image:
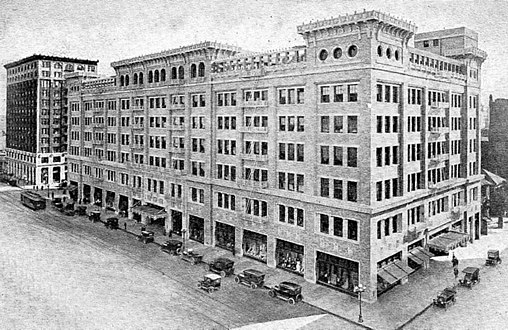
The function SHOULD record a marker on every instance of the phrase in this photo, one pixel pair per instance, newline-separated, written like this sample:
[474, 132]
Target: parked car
[210, 283]
[94, 216]
[190, 256]
[471, 277]
[68, 211]
[146, 236]
[57, 202]
[445, 298]
[251, 277]
[493, 258]
[288, 291]
[172, 247]
[222, 266]
[81, 210]
[111, 223]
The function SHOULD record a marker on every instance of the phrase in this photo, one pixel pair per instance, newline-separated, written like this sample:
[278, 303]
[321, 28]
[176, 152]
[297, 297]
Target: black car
[251, 277]
[146, 236]
[68, 211]
[94, 216]
[111, 223]
[222, 266]
[291, 292]
[172, 246]
[57, 202]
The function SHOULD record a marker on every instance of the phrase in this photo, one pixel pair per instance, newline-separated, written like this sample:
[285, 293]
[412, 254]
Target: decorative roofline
[356, 18]
[176, 51]
[35, 57]
[260, 54]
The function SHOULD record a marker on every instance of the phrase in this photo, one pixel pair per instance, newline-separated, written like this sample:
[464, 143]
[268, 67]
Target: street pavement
[141, 283]
[59, 272]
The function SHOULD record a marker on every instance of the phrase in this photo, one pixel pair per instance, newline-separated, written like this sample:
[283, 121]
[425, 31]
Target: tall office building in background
[37, 119]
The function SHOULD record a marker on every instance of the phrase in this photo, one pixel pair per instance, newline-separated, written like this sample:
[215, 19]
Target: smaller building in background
[495, 147]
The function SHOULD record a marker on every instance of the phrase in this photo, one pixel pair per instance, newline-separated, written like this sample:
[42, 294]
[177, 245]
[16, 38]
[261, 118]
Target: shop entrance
[224, 236]
[110, 200]
[290, 256]
[254, 245]
[336, 272]
[123, 205]
[86, 194]
[196, 229]
[97, 196]
[176, 222]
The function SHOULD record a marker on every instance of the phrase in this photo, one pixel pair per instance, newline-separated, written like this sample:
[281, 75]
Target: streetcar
[33, 200]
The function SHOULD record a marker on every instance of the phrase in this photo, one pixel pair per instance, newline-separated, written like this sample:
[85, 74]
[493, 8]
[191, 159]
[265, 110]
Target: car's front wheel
[237, 279]
[272, 293]
[223, 274]
[253, 285]
[291, 301]
[210, 290]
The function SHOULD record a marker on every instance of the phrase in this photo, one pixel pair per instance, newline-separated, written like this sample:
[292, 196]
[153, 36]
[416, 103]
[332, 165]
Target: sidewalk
[392, 310]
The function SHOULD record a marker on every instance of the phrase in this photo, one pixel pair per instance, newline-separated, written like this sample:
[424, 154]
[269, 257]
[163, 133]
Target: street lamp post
[359, 289]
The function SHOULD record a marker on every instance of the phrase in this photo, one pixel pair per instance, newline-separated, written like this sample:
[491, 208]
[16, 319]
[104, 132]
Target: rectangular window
[352, 124]
[324, 223]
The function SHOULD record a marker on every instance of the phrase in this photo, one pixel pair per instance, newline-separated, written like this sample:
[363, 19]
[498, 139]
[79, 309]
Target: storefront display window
[336, 272]
[197, 228]
[254, 245]
[224, 236]
[290, 256]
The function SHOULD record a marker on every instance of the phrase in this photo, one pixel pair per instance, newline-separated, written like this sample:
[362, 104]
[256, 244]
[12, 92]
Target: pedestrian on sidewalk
[456, 272]
[125, 226]
[455, 261]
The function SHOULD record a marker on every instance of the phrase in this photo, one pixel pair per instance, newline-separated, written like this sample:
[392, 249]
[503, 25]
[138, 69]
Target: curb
[413, 317]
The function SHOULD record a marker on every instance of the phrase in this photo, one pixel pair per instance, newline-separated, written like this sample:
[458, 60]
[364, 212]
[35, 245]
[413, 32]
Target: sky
[113, 30]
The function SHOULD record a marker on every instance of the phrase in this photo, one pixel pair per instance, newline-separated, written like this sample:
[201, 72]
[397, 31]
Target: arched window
[121, 80]
[141, 78]
[135, 79]
[193, 70]
[126, 80]
[173, 73]
[156, 76]
[163, 75]
[181, 72]
[201, 69]
[150, 77]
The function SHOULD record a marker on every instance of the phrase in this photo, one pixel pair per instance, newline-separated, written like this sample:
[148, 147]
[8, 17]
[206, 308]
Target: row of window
[387, 189]
[334, 188]
[391, 225]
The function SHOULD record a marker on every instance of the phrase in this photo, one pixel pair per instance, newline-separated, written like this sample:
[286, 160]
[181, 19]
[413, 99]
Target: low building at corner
[342, 160]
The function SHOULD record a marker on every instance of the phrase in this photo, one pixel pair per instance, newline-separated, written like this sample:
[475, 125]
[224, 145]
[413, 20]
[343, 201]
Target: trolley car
[33, 200]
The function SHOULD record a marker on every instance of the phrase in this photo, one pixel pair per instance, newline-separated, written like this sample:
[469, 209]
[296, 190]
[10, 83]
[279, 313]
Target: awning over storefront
[419, 255]
[394, 272]
[149, 211]
[448, 241]
[386, 276]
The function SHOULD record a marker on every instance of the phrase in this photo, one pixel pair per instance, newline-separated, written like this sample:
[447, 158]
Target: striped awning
[420, 256]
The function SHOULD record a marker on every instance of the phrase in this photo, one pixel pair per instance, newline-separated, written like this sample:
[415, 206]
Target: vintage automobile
[172, 247]
[290, 292]
[81, 210]
[146, 236]
[68, 211]
[251, 277]
[471, 277]
[445, 298]
[192, 257]
[222, 266]
[111, 223]
[94, 216]
[57, 202]
[493, 258]
[210, 282]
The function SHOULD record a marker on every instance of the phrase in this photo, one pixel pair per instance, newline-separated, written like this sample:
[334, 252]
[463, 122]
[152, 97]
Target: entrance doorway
[176, 222]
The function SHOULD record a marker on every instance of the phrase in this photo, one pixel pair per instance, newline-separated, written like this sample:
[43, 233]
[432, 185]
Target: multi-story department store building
[36, 117]
[340, 160]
